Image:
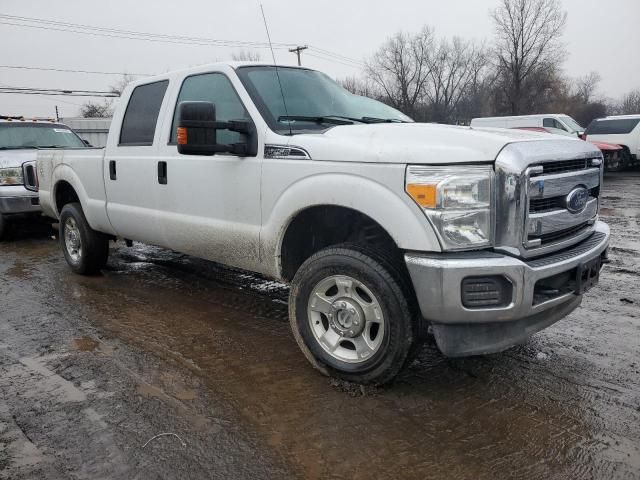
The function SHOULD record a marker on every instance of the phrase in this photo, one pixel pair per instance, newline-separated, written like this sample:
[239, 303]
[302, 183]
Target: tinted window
[139, 124]
[215, 88]
[612, 127]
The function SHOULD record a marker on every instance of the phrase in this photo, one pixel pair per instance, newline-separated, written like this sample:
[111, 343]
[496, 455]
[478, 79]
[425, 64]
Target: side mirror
[86, 142]
[197, 132]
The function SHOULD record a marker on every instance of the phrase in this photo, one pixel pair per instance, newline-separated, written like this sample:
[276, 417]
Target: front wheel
[351, 317]
[3, 226]
[85, 250]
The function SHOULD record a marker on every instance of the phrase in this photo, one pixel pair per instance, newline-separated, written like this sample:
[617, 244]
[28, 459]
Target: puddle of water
[85, 344]
[436, 418]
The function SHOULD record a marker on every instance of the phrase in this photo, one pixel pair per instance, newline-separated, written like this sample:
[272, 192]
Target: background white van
[555, 123]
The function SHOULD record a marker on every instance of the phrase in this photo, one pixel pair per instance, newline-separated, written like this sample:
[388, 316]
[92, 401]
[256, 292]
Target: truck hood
[15, 158]
[411, 143]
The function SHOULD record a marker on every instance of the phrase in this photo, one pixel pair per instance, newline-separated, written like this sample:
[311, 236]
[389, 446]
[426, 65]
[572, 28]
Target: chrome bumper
[437, 280]
[17, 199]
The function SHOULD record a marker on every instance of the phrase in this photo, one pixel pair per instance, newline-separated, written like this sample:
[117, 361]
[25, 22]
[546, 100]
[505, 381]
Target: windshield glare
[310, 94]
[24, 135]
[572, 124]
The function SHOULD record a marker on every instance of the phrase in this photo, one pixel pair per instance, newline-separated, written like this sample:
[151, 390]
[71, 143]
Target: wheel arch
[371, 204]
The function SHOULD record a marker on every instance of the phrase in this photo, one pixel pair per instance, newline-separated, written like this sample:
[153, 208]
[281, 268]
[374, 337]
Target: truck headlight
[11, 176]
[457, 201]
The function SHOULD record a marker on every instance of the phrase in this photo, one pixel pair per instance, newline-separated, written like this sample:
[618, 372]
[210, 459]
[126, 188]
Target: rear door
[130, 165]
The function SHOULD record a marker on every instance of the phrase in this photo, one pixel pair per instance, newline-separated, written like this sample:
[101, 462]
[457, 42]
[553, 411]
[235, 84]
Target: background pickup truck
[19, 139]
[384, 228]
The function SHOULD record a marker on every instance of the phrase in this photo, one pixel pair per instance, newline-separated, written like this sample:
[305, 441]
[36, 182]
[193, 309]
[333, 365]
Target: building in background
[93, 130]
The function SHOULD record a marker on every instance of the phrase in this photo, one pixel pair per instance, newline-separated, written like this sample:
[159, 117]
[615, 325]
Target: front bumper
[17, 199]
[460, 331]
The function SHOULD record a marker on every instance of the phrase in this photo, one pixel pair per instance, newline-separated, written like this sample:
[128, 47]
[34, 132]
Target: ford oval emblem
[577, 199]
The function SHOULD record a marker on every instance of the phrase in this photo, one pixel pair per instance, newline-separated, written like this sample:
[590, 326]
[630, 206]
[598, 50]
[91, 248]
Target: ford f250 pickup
[386, 229]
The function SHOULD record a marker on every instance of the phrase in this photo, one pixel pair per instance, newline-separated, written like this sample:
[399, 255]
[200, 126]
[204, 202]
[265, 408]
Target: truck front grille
[533, 218]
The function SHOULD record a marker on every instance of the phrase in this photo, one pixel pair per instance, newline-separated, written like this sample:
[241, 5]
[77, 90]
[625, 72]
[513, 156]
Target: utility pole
[297, 51]
[57, 116]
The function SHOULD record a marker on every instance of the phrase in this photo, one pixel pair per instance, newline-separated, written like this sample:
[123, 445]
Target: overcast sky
[600, 35]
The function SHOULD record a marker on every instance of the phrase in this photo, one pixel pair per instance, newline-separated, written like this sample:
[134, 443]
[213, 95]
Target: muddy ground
[92, 369]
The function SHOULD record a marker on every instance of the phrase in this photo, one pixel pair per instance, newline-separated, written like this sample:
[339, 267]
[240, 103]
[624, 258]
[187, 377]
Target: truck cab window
[141, 116]
[215, 88]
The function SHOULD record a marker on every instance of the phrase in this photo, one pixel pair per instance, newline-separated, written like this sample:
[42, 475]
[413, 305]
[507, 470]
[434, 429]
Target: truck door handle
[162, 173]
[112, 170]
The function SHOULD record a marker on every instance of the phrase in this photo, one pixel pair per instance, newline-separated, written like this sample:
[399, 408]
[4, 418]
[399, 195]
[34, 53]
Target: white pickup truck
[19, 140]
[386, 229]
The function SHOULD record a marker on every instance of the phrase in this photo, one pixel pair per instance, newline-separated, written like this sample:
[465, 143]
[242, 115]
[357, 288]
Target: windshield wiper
[16, 148]
[381, 120]
[50, 146]
[331, 119]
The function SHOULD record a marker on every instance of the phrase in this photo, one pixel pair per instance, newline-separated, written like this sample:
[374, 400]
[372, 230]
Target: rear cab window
[614, 126]
[141, 116]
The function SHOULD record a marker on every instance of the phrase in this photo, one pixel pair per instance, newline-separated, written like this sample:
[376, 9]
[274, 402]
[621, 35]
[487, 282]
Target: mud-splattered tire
[85, 250]
[351, 316]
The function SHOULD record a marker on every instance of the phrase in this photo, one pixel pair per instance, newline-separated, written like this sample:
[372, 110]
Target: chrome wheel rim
[346, 319]
[72, 240]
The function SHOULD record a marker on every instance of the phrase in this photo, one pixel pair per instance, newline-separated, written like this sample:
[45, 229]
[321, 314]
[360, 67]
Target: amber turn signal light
[182, 136]
[423, 195]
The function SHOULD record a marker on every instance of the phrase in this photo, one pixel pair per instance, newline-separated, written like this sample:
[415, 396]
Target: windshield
[572, 124]
[311, 94]
[28, 135]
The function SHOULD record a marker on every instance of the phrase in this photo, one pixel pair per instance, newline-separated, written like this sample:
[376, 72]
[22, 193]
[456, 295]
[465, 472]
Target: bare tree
[246, 56]
[587, 87]
[527, 43]
[400, 69]
[119, 86]
[92, 109]
[630, 103]
[360, 86]
[455, 68]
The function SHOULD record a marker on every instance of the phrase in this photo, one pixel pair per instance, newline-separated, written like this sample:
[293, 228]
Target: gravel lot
[91, 369]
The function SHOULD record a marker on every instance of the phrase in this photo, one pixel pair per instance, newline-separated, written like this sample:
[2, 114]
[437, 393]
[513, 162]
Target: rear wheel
[351, 316]
[85, 250]
[3, 226]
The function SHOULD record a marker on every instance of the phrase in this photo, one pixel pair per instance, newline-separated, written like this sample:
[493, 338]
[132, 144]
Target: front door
[210, 205]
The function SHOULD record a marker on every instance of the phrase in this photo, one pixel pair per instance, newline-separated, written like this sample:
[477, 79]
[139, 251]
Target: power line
[130, 34]
[48, 69]
[85, 29]
[57, 92]
[337, 56]
[63, 90]
[333, 60]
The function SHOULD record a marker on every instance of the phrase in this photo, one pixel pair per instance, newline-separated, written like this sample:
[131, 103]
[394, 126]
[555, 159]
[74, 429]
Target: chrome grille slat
[540, 224]
[545, 186]
[565, 166]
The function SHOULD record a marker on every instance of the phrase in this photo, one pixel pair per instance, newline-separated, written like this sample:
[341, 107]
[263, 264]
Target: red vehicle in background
[615, 156]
